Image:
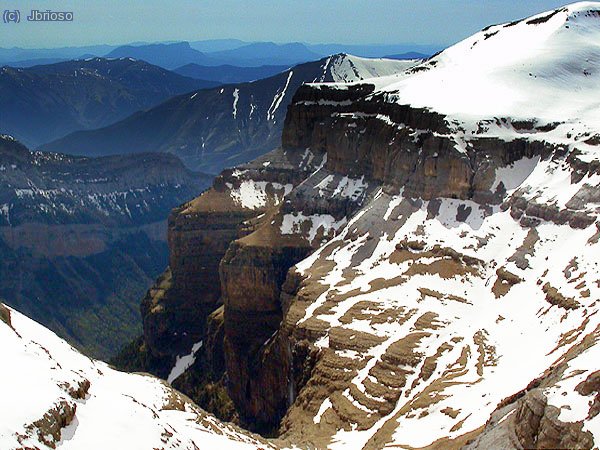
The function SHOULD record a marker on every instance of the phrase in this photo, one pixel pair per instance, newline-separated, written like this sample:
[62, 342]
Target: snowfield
[542, 67]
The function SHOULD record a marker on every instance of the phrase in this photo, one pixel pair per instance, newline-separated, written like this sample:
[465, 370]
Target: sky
[427, 22]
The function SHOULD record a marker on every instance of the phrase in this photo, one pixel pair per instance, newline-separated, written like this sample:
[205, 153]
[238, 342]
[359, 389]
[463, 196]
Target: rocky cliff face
[186, 305]
[435, 274]
[398, 145]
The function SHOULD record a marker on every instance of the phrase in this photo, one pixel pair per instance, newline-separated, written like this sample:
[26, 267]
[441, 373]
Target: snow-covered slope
[482, 306]
[474, 272]
[345, 68]
[546, 67]
[54, 397]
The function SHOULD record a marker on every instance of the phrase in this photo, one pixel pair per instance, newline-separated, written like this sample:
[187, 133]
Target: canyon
[410, 260]
[81, 239]
[405, 269]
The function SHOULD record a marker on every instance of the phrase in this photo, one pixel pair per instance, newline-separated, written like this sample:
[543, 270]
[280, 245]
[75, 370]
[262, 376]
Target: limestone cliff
[428, 267]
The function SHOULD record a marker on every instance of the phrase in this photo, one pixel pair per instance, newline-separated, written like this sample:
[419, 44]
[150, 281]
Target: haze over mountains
[42, 101]
[394, 254]
[45, 102]
[171, 56]
[215, 128]
[80, 238]
[209, 52]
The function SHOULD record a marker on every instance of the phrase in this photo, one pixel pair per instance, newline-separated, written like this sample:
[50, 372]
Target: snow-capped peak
[545, 67]
[344, 68]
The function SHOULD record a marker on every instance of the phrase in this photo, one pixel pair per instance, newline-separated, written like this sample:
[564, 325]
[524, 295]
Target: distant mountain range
[267, 53]
[215, 128]
[24, 57]
[171, 56]
[217, 45]
[228, 73]
[374, 50]
[214, 52]
[408, 55]
[42, 103]
[81, 239]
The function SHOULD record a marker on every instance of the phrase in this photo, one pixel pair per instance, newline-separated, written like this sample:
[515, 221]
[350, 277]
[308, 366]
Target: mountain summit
[546, 67]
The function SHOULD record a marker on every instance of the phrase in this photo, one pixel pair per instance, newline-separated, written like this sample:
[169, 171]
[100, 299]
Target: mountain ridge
[419, 277]
[42, 103]
[228, 73]
[215, 128]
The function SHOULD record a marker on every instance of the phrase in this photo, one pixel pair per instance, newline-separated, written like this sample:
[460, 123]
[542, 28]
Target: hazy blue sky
[315, 21]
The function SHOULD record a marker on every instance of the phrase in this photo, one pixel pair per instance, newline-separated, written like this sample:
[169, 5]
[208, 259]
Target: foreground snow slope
[54, 397]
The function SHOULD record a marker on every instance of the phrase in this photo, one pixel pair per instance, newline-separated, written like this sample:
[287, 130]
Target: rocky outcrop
[5, 315]
[529, 420]
[174, 312]
[398, 145]
[317, 354]
[261, 363]
[49, 427]
[273, 361]
[537, 426]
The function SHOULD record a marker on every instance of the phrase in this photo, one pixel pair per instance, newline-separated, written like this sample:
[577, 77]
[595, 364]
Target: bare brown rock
[5, 315]
[537, 426]
[504, 282]
[588, 387]
[554, 297]
[49, 427]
